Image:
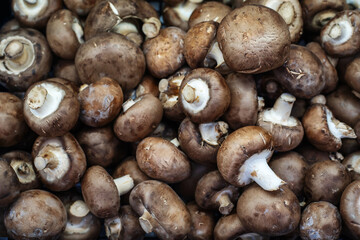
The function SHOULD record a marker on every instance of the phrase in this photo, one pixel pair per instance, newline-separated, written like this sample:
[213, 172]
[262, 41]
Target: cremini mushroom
[202, 223]
[178, 15]
[208, 11]
[65, 69]
[349, 208]
[10, 189]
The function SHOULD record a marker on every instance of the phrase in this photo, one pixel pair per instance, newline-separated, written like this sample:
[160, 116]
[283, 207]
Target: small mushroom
[160, 159]
[202, 223]
[208, 11]
[10, 185]
[49, 104]
[228, 227]
[60, 161]
[161, 210]
[352, 164]
[96, 184]
[349, 208]
[320, 220]
[80, 7]
[243, 156]
[351, 76]
[213, 192]
[36, 214]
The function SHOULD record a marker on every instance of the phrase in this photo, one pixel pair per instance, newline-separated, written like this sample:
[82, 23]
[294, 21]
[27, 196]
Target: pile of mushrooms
[180, 119]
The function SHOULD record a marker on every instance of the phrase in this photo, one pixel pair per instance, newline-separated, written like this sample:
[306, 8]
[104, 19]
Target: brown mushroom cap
[161, 210]
[130, 167]
[66, 70]
[36, 214]
[203, 223]
[110, 55]
[273, 213]
[352, 74]
[261, 41]
[162, 160]
[349, 208]
[352, 164]
[320, 220]
[80, 7]
[325, 181]
[208, 11]
[10, 186]
[228, 227]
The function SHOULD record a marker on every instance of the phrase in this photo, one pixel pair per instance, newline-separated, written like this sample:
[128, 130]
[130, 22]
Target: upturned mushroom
[351, 75]
[243, 156]
[161, 210]
[268, 87]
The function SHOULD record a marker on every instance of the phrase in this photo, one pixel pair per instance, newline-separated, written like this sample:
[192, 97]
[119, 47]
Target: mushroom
[325, 181]
[164, 53]
[100, 102]
[148, 84]
[166, 130]
[12, 124]
[287, 131]
[36, 214]
[204, 95]
[243, 156]
[208, 11]
[130, 167]
[96, 184]
[110, 55]
[10, 25]
[340, 37]
[22, 163]
[160, 159]
[49, 104]
[313, 155]
[273, 213]
[349, 208]
[352, 164]
[161, 210]
[25, 58]
[101, 146]
[202, 223]
[260, 43]
[213, 192]
[320, 220]
[80, 7]
[2, 225]
[243, 108]
[34, 13]
[268, 87]
[139, 118]
[10, 185]
[178, 15]
[66, 70]
[64, 34]
[302, 74]
[60, 161]
[351, 76]
[201, 142]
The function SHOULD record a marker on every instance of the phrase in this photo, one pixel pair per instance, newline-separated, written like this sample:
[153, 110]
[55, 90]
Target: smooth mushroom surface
[65, 69]
[352, 164]
[10, 185]
[202, 223]
[349, 208]
[208, 11]
[351, 76]
[228, 227]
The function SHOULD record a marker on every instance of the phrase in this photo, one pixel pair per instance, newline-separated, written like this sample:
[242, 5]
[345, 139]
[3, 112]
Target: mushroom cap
[273, 213]
[198, 41]
[172, 219]
[238, 147]
[254, 39]
[352, 74]
[110, 55]
[208, 11]
[130, 221]
[349, 207]
[164, 53]
[65, 69]
[130, 167]
[10, 186]
[160, 159]
[352, 164]
[228, 227]
[100, 193]
[80, 7]
[203, 222]
[36, 214]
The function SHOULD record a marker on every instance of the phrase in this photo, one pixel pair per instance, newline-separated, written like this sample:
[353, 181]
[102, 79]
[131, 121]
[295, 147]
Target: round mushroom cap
[349, 208]
[208, 11]
[36, 214]
[254, 39]
[10, 186]
[228, 227]
[110, 55]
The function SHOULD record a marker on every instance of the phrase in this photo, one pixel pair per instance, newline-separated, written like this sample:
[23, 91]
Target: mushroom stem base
[145, 222]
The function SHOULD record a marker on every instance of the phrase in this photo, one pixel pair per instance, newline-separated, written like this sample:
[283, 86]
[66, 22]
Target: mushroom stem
[24, 171]
[79, 209]
[189, 94]
[322, 18]
[195, 95]
[213, 132]
[17, 54]
[78, 30]
[175, 141]
[337, 128]
[23, 168]
[335, 31]
[185, 9]
[124, 184]
[151, 27]
[113, 227]
[256, 168]
[214, 54]
[282, 108]
[287, 12]
[129, 29]
[129, 103]
[145, 222]
[36, 97]
[225, 203]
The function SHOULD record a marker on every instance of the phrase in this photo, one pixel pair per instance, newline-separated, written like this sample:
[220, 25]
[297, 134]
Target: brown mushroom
[228, 227]
[349, 208]
[208, 11]
[148, 84]
[313, 155]
[268, 87]
[352, 164]
[36, 214]
[178, 15]
[66, 70]
[10, 185]
[10, 25]
[202, 223]
[254, 39]
[80, 7]
[351, 76]
[130, 167]
[161, 210]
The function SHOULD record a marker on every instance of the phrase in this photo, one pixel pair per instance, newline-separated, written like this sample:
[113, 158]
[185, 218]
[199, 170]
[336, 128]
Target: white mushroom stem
[225, 204]
[145, 221]
[195, 95]
[31, 8]
[287, 12]
[129, 103]
[44, 99]
[322, 18]
[280, 112]
[79, 209]
[337, 128]
[185, 9]
[213, 132]
[113, 227]
[151, 27]
[31, 1]
[24, 171]
[256, 169]
[124, 184]
[214, 54]
[175, 141]
[78, 30]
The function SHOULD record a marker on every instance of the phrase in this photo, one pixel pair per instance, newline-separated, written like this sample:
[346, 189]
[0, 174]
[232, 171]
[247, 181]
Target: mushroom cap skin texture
[110, 55]
[260, 43]
[352, 164]
[64, 33]
[325, 181]
[349, 208]
[100, 193]
[139, 120]
[169, 218]
[340, 37]
[49, 105]
[212, 95]
[12, 124]
[59, 161]
[37, 15]
[130, 167]
[65, 69]
[10, 185]
[352, 74]
[100, 102]
[160, 159]
[302, 74]
[228, 227]
[320, 220]
[10, 25]
[80, 7]
[165, 53]
[273, 213]
[33, 63]
[36, 214]
[203, 223]
[208, 11]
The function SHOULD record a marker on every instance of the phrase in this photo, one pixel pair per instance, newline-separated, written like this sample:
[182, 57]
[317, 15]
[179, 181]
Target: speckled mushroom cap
[254, 39]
